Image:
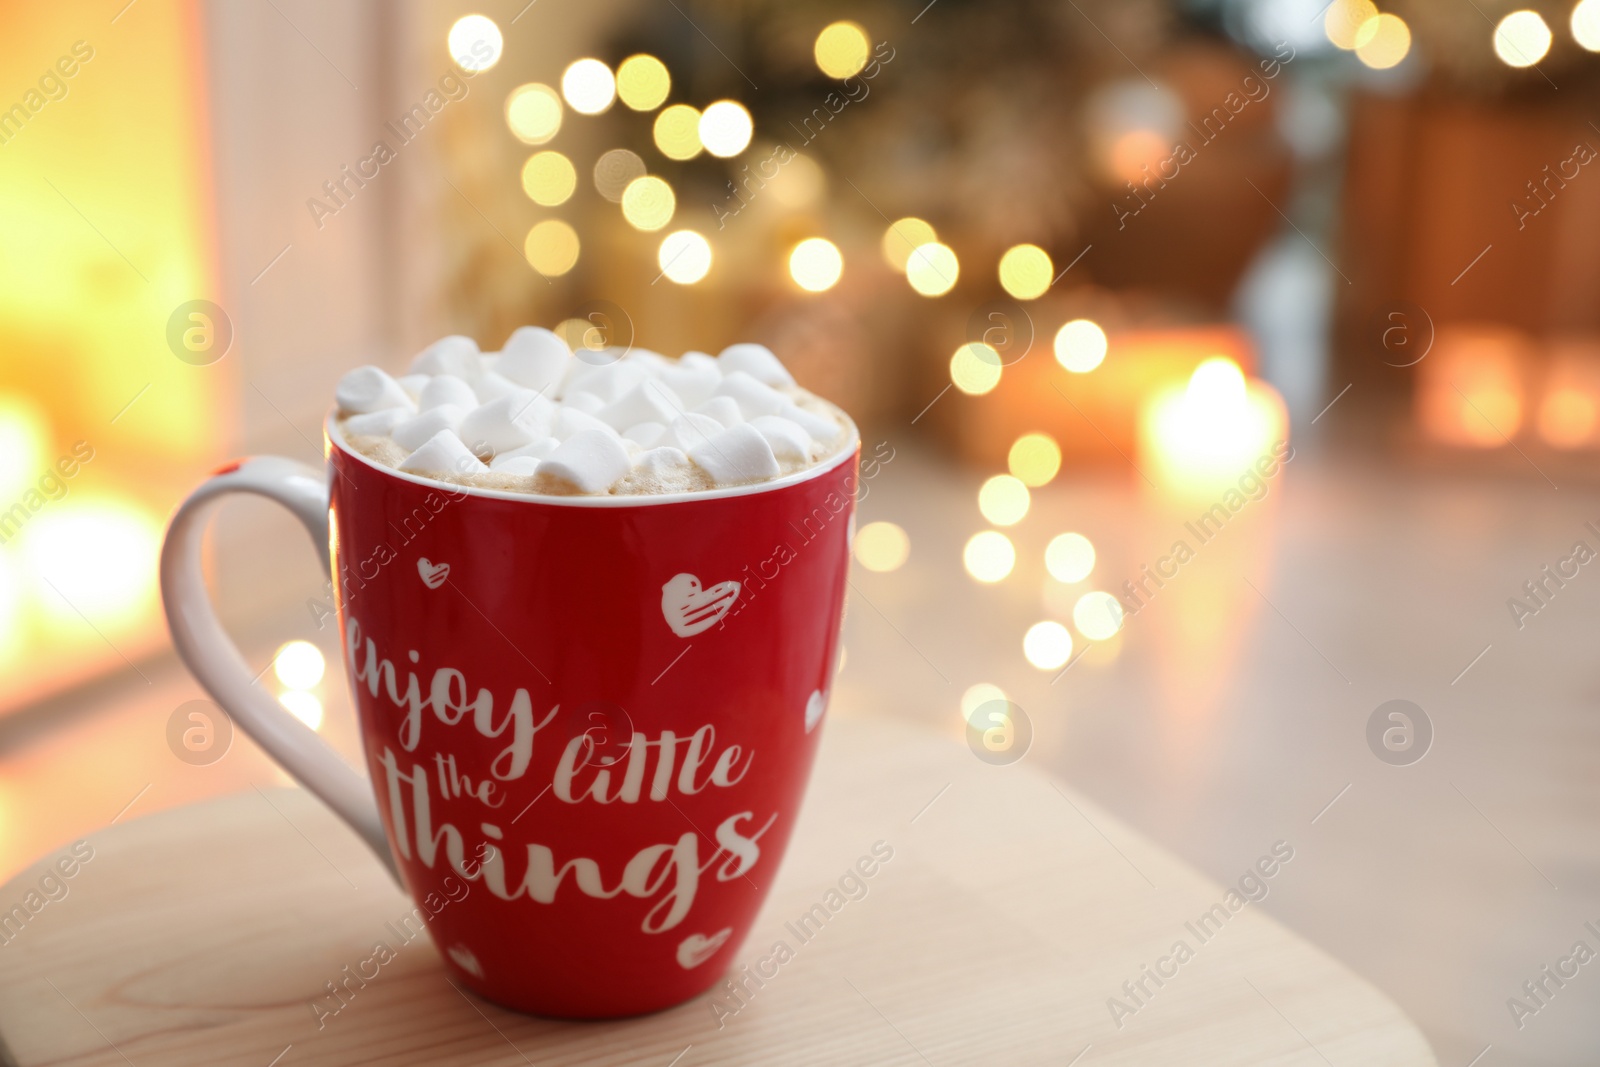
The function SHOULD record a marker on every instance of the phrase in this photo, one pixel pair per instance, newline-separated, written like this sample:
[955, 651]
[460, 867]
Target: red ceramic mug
[597, 714]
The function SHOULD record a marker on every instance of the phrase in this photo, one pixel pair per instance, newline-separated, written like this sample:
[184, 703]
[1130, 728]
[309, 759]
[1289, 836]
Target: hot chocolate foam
[536, 418]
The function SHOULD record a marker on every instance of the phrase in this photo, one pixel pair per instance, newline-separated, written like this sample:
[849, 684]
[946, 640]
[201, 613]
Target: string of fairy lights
[1520, 39]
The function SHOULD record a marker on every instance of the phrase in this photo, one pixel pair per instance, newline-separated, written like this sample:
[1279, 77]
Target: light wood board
[1012, 911]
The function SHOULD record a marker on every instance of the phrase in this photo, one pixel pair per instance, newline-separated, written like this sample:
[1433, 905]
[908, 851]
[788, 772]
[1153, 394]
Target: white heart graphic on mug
[465, 959]
[690, 610]
[697, 948]
[433, 574]
[814, 709]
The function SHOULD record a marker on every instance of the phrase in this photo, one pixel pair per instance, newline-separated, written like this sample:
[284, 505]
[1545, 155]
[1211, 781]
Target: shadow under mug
[588, 721]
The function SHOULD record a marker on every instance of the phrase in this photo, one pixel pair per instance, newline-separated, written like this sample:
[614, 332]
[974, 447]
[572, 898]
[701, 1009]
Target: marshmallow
[569, 421]
[649, 401]
[820, 429]
[690, 431]
[693, 386]
[645, 434]
[368, 389]
[700, 361]
[417, 430]
[607, 381]
[376, 423]
[591, 460]
[413, 383]
[523, 465]
[507, 423]
[493, 386]
[756, 361]
[447, 389]
[534, 450]
[788, 440]
[656, 462]
[450, 355]
[725, 409]
[753, 397]
[443, 453]
[587, 403]
[534, 358]
[737, 455]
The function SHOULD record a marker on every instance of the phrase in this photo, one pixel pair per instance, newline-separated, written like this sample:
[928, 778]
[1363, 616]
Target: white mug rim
[335, 438]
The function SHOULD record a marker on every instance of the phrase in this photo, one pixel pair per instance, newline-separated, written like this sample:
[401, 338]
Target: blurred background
[1075, 267]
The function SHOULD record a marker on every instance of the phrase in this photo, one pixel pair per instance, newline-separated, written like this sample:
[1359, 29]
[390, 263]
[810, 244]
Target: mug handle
[215, 661]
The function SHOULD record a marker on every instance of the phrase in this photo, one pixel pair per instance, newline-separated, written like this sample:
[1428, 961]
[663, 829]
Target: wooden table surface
[1011, 913]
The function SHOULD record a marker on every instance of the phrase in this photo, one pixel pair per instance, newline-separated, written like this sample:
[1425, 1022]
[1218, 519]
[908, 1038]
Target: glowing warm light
[1344, 20]
[475, 43]
[1383, 41]
[932, 269]
[1135, 154]
[643, 82]
[1069, 557]
[1034, 459]
[614, 170]
[1206, 435]
[989, 556]
[304, 706]
[842, 50]
[588, 86]
[551, 247]
[684, 256]
[1097, 615]
[648, 203]
[548, 178]
[1469, 390]
[1025, 271]
[677, 132]
[975, 368]
[94, 556]
[800, 183]
[725, 128]
[1567, 418]
[1081, 346]
[24, 438]
[12, 629]
[1047, 645]
[815, 264]
[903, 238]
[977, 696]
[1522, 38]
[1003, 500]
[533, 113]
[1586, 25]
[299, 664]
[882, 546]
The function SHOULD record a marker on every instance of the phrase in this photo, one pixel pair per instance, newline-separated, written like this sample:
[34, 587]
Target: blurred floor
[1226, 716]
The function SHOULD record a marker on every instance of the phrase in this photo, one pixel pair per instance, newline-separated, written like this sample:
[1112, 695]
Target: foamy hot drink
[536, 418]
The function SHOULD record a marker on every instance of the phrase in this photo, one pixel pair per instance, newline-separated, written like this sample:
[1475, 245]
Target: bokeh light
[551, 247]
[1003, 500]
[685, 257]
[1586, 25]
[975, 368]
[1344, 19]
[842, 49]
[1382, 42]
[533, 113]
[932, 269]
[677, 132]
[1047, 645]
[548, 178]
[475, 43]
[648, 203]
[815, 264]
[725, 128]
[1522, 38]
[882, 546]
[1097, 615]
[24, 437]
[299, 664]
[1034, 459]
[903, 237]
[588, 86]
[303, 706]
[643, 82]
[614, 170]
[977, 696]
[1069, 557]
[95, 556]
[1025, 271]
[989, 556]
[1567, 418]
[1081, 346]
